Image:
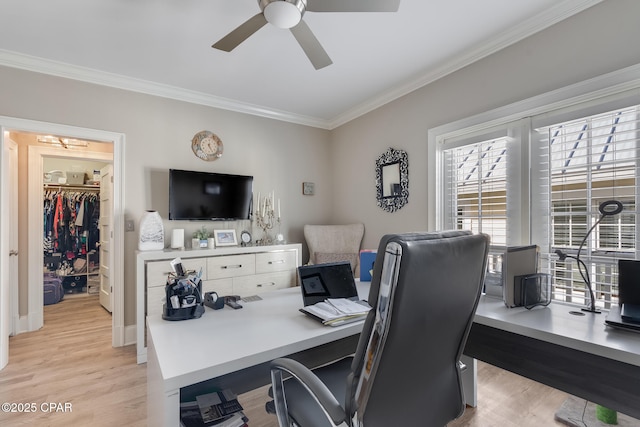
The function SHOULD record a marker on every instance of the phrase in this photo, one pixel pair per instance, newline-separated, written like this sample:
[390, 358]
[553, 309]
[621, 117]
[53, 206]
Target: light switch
[129, 225]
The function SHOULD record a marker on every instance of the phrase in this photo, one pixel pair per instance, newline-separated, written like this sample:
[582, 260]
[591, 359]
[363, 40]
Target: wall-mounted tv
[209, 196]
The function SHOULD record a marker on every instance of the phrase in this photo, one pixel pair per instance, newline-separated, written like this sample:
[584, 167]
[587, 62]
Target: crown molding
[89, 75]
[533, 25]
[527, 28]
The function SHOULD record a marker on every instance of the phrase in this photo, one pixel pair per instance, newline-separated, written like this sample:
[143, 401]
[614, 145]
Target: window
[541, 179]
[477, 182]
[591, 160]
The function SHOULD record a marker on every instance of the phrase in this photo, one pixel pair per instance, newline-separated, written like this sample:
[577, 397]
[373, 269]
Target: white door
[13, 234]
[8, 241]
[106, 236]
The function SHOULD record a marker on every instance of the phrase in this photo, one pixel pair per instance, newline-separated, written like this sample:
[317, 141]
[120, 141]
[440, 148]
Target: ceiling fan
[287, 14]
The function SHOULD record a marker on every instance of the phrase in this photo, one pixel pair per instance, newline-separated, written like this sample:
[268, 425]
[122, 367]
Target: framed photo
[225, 237]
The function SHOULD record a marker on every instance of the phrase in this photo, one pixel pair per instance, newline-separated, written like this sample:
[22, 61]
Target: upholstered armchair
[332, 243]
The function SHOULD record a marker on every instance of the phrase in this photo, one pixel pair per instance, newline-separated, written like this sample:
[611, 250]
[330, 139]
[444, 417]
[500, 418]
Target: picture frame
[308, 188]
[225, 237]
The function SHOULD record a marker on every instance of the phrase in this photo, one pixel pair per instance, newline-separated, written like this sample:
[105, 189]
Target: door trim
[118, 141]
[13, 233]
[36, 155]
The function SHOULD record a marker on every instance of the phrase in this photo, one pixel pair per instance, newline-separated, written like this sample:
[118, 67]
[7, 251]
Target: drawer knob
[224, 267]
[278, 261]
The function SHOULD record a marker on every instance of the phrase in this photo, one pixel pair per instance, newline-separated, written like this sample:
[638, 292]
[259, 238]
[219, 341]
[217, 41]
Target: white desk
[580, 355]
[576, 354]
[228, 341]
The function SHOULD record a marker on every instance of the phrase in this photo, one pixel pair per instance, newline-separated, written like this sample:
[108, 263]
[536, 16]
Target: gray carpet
[576, 412]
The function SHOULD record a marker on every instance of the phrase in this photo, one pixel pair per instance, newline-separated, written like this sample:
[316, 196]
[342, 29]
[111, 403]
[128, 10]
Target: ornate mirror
[392, 180]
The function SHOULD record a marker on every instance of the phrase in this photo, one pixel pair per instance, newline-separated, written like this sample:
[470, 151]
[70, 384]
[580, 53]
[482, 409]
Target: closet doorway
[26, 294]
[77, 227]
[48, 162]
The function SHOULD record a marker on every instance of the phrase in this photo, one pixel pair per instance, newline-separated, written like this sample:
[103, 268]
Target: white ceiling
[163, 47]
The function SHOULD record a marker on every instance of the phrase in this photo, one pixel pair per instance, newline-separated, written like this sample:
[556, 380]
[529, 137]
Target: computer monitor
[629, 281]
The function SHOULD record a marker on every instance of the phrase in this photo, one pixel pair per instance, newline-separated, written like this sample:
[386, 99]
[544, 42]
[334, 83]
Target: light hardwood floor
[71, 361]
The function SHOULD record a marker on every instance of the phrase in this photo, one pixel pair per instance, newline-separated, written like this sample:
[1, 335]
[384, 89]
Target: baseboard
[130, 335]
[22, 325]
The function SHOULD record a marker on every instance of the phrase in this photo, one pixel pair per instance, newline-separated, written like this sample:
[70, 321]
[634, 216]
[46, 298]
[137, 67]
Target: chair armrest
[311, 382]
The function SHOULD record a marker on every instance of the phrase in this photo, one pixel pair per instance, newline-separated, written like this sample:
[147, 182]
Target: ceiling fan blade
[240, 34]
[353, 5]
[311, 46]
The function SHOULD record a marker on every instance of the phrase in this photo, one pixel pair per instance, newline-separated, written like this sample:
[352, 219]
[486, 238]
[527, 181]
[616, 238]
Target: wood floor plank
[70, 360]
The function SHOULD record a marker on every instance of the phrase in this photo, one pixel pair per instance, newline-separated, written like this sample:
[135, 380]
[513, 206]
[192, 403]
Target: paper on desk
[347, 306]
[337, 308]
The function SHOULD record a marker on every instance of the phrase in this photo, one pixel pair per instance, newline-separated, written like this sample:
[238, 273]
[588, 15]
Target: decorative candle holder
[265, 219]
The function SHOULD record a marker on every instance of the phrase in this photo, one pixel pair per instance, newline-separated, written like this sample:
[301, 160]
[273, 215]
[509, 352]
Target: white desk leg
[163, 406]
[469, 381]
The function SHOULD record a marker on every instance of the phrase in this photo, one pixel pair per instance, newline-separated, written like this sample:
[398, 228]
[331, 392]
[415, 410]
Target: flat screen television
[209, 196]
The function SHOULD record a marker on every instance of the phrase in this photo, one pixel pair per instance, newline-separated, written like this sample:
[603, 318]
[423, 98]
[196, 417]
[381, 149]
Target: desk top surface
[555, 324]
[226, 340]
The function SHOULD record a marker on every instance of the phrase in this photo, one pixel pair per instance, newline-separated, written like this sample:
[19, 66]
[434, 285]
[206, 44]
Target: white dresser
[240, 271]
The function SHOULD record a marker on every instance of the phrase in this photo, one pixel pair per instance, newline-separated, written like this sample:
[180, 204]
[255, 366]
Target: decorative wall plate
[207, 146]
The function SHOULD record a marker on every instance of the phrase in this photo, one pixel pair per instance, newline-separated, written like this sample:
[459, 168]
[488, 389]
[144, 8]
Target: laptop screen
[321, 281]
[629, 281]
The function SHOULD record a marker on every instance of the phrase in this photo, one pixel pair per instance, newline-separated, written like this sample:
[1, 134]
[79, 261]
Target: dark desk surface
[580, 355]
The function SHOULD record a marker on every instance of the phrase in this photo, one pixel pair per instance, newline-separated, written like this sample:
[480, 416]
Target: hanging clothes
[70, 222]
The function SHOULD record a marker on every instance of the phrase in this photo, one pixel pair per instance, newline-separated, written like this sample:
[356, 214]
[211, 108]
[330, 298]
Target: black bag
[74, 283]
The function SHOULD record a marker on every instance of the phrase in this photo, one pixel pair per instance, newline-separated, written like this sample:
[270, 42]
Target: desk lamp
[608, 208]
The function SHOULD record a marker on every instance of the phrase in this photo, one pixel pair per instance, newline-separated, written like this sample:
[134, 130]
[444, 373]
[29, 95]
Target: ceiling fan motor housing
[283, 13]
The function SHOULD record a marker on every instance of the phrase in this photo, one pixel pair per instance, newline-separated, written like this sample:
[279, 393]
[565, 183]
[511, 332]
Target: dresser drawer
[268, 262]
[195, 264]
[157, 273]
[222, 287]
[260, 283]
[231, 266]
[155, 300]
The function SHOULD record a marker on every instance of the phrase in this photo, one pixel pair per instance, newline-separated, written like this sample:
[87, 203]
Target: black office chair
[406, 369]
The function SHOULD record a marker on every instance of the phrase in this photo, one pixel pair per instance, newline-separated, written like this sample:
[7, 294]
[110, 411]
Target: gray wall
[597, 41]
[158, 132]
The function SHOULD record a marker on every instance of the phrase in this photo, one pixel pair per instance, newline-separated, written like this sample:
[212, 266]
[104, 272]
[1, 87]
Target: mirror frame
[393, 203]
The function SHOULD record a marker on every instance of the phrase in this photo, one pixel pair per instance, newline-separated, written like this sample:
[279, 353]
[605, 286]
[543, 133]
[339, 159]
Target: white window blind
[475, 193]
[580, 164]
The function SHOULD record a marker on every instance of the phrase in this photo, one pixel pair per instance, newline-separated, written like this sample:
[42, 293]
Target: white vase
[151, 232]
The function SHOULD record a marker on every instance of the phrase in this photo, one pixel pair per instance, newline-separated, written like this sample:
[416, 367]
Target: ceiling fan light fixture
[283, 13]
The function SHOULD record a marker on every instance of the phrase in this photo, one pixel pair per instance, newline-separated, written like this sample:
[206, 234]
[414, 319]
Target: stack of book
[219, 409]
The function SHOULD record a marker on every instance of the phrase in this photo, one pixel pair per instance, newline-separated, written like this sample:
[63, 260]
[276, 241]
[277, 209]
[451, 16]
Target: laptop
[331, 280]
[319, 282]
[629, 297]
[629, 281]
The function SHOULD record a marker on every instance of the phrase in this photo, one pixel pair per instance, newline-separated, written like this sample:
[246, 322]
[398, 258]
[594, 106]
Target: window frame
[609, 92]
